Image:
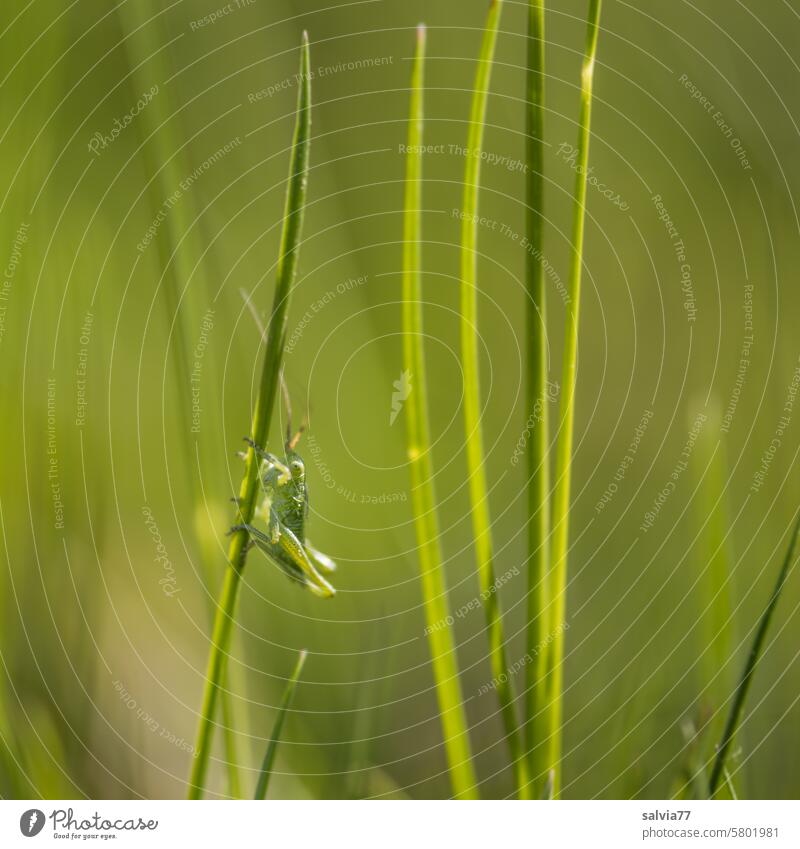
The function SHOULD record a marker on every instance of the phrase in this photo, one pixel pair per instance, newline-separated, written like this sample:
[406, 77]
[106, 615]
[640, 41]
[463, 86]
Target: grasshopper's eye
[297, 468]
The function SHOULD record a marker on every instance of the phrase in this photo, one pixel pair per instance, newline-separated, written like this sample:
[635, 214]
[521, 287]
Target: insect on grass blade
[262, 417]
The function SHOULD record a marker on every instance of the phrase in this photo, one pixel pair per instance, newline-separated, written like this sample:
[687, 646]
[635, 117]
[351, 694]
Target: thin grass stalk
[563, 471]
[262, 417]
[272, 747]
[478, 489]
[715, 553]
[423, 497]
[537, 405]
[715, 562]
[718, 771]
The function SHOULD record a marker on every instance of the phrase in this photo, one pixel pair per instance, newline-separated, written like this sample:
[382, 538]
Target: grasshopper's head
[297, 468]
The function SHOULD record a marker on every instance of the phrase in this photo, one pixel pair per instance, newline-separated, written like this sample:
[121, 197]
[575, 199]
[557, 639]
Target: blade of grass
[277, 728]
[734, 717]
[711, 470]
[538, 467]
[423, 497]
[563, 471]
[479, 496]
[262, 416]
[716, 604]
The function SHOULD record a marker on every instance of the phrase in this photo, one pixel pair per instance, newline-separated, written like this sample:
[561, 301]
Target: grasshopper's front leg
[270, 459]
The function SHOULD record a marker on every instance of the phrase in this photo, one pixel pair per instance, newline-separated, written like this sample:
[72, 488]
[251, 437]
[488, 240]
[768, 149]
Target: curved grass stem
[718, 771]
[563, 471]
[479, 495]
[277, 729]
[434, 590]
[262, 416]
[537, 406]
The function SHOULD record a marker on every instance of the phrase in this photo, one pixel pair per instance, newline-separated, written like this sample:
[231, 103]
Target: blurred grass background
[104, 648]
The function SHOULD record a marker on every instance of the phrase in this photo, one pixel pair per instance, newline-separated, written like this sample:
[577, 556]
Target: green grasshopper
[284, 510]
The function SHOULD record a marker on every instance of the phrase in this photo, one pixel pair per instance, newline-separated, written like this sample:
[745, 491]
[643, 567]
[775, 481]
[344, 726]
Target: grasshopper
[284, 510]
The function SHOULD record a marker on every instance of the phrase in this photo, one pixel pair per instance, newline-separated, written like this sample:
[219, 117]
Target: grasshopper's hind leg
[282, 546]
[320, 560]
[274, 553]
[294, 550]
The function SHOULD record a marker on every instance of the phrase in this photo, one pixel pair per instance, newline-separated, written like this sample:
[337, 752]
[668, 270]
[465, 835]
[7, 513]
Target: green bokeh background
[84, 607]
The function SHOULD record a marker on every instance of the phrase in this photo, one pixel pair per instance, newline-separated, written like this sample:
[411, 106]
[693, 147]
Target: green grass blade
[716, 560]
[277, 728]
[563, 472]
[715, 565]
[538, 466]
[262, 416]
[479, 495]
[423, 497]
[734, 717]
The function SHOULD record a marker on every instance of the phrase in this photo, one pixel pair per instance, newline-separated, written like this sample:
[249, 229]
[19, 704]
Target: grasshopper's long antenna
[291, 439]
[254, 312]
[291, 442]
[287, 401]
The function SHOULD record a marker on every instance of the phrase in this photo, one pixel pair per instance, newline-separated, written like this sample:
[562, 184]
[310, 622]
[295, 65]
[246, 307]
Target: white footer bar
[403, 824]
